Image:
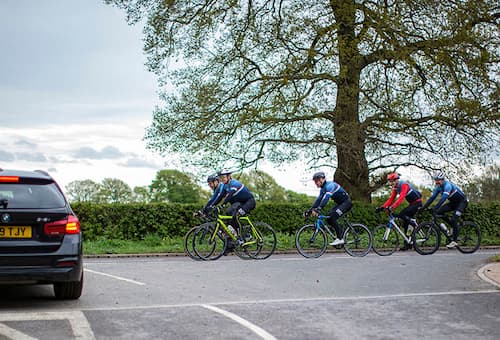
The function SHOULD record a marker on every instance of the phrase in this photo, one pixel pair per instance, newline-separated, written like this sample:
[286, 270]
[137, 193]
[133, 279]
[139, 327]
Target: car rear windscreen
[30, 196]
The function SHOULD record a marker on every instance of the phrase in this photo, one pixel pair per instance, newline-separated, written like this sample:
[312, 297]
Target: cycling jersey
[331, 190]
[404, 190]
[448, 191]
[216, 196]
[236, 192]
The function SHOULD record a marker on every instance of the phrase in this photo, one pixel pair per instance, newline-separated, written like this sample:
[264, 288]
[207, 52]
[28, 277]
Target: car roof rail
[43, 172]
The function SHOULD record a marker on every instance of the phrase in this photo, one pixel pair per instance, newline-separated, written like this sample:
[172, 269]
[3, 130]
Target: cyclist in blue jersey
[238, 195]
[218, 192]
[331, 190]
[457, 203]
[412, 195]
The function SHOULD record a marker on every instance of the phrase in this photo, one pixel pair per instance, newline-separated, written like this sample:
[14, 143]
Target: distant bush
[136, 221]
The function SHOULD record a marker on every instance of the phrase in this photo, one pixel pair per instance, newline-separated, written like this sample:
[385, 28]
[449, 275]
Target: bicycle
[425, 240]
[311, 240]
[253, 240]
[469, 234]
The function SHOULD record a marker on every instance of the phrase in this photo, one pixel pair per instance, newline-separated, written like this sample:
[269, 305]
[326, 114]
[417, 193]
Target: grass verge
[153, 244]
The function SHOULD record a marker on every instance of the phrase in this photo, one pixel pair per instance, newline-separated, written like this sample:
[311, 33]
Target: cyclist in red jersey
[413, 196]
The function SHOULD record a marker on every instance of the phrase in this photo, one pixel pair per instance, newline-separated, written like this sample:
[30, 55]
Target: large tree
[83, 191]
[365, 85]
[174, 186]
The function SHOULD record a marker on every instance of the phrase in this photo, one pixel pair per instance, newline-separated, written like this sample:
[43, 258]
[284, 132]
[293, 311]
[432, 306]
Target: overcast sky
[75, 96]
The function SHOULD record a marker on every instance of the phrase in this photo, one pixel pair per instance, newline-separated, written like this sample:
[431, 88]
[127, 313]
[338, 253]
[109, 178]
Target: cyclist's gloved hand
[379, 209]
[390, 210]
[307, 213]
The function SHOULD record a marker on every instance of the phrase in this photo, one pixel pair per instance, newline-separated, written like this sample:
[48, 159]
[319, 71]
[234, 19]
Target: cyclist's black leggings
[247, 206]
[458, 208]
[408, 213]
[335, 213]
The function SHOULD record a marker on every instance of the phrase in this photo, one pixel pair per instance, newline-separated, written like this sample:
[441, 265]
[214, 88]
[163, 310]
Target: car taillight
[9, 179]
[70, 225]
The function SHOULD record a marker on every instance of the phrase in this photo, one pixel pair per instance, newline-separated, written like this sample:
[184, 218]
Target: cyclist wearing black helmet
[238, 195]
[457, 202]
[331, 190]
[218, 192]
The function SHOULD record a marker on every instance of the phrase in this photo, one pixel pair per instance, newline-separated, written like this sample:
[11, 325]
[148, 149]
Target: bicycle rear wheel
[266, 240]
[385, 240]
[358, 240]
[310, 241]
[207, 245]
[188, 244]
[469, 237]
[426, 238]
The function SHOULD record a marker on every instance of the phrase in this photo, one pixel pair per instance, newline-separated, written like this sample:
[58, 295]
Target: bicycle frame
[320, 223]
[220, 223]
[448, 233]
[392, 224]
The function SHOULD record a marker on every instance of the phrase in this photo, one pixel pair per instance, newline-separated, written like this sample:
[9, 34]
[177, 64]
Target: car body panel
[33, 200]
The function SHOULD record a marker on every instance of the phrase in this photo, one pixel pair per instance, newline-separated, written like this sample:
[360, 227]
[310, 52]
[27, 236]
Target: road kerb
[490, 273]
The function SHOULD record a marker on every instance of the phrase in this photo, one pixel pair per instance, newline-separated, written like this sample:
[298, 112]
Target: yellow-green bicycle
[213, 239]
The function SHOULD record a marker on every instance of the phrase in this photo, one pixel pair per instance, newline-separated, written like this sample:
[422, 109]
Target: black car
[40, 237]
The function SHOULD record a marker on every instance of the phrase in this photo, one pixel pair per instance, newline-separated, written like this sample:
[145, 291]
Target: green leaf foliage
[137, 221]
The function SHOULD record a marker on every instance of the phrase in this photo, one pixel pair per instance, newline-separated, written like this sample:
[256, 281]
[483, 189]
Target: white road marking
[254, 328]
[79, 323]
[483, 276]
[115, 277]
[293, 300]
[12, 333]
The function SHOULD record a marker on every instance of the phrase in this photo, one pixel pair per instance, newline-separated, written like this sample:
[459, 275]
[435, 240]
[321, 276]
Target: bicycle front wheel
[208, 244]
[310, 241]
[188, 244]
[385, 240]
[266, 240]
[469, 237]
[358, 240]
[426, 238]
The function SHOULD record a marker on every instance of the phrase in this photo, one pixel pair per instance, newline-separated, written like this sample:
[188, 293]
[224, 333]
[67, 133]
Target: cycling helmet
[438, 175]
[319, 175]
[224, 172]
[212, 178]
[393, 176]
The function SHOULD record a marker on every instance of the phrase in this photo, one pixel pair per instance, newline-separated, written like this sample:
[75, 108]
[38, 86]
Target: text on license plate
[15, 232]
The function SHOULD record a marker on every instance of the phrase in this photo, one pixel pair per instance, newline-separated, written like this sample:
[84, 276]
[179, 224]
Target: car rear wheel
[68, 290]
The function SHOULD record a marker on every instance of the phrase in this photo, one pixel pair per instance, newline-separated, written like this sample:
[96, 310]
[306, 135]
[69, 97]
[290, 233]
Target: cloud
[26, 143]
[30, 156]
[139, 163]
[6, 156]
[108, 152]
[22, 156]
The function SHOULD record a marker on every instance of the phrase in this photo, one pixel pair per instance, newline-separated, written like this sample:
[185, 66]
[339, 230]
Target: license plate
[15, 232]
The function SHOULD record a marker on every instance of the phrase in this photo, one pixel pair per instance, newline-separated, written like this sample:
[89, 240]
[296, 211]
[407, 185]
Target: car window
[24, 196]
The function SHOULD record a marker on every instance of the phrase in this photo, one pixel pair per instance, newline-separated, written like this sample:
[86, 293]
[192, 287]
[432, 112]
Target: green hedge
[135, 221]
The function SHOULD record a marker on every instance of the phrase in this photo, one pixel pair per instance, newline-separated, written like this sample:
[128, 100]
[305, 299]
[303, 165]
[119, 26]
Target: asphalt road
[285, 297]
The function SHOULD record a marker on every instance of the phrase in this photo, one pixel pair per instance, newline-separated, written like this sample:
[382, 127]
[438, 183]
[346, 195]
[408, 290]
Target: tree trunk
[352, 169]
